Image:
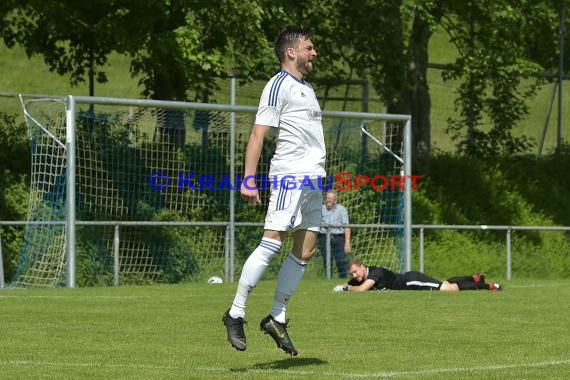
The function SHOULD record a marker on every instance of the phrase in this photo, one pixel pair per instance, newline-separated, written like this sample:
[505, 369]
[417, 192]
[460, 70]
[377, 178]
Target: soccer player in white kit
[289, 105]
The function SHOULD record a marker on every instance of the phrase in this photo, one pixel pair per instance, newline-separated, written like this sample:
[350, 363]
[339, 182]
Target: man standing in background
[335, 214]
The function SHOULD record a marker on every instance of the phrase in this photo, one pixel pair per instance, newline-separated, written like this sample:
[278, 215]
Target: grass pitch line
[389, 374]
[349, 375]
[437, 371]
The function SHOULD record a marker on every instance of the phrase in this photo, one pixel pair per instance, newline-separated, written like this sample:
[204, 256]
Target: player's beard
[304, 65]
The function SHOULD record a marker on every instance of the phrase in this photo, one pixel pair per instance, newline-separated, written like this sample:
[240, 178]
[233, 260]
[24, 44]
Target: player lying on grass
[378, 278]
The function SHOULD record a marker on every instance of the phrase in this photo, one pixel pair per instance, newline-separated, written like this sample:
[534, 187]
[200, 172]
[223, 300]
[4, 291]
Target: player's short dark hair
[355, 261]
[289, 37]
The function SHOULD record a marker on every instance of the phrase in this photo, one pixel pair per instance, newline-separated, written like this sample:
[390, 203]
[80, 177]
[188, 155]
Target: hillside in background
[32, 76]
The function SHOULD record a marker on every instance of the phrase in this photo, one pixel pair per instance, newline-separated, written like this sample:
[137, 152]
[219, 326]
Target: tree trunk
[415, 98]
[419, 95]
[169, 83]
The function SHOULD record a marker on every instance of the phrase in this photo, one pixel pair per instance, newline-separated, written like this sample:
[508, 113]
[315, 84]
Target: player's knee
[304, 254]
[267, 249]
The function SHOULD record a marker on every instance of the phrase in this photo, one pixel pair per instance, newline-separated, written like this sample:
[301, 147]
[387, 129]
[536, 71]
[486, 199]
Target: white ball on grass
[338, 288]
[215, 280]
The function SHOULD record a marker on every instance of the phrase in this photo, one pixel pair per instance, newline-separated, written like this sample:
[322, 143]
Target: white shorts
[294, 208]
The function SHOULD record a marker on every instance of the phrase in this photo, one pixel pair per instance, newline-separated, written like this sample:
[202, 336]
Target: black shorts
[419, 281]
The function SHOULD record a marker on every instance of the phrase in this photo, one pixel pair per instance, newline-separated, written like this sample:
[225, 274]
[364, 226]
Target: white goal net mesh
[165, 165]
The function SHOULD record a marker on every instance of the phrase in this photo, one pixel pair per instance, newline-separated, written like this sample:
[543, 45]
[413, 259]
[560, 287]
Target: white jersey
[291, 106]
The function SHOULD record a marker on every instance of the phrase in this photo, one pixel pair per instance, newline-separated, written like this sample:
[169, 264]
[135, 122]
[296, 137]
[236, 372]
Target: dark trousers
[337, 252]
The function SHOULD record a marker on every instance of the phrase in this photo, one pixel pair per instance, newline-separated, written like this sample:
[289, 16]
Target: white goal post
[117, 215]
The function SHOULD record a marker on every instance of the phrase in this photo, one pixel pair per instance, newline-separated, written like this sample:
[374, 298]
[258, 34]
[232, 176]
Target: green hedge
[513, 191]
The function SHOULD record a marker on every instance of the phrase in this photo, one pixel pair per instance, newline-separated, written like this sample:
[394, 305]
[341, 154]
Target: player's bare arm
[347, 236]
[254, 145]
[364, 287]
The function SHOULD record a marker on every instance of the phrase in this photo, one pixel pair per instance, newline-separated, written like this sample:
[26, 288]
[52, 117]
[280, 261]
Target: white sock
[252, 271]
[289, 277]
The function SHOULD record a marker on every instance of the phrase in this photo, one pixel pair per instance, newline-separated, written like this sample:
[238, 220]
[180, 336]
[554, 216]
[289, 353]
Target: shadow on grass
[282, 364]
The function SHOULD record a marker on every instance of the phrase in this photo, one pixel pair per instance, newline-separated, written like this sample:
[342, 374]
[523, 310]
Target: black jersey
[383, 279]
[386, 279]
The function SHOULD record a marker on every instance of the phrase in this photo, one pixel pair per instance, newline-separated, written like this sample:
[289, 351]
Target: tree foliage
[177, 47]
[183, 47]
[73, 37]
[180, 48]
[504, 48]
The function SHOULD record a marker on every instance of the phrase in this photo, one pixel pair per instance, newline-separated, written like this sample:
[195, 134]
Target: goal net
[42, 259]
[153, 190]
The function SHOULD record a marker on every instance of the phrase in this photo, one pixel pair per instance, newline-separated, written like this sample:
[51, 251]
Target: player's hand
[251, 195]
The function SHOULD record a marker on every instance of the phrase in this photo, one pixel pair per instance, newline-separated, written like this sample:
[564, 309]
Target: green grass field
[175, 331]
